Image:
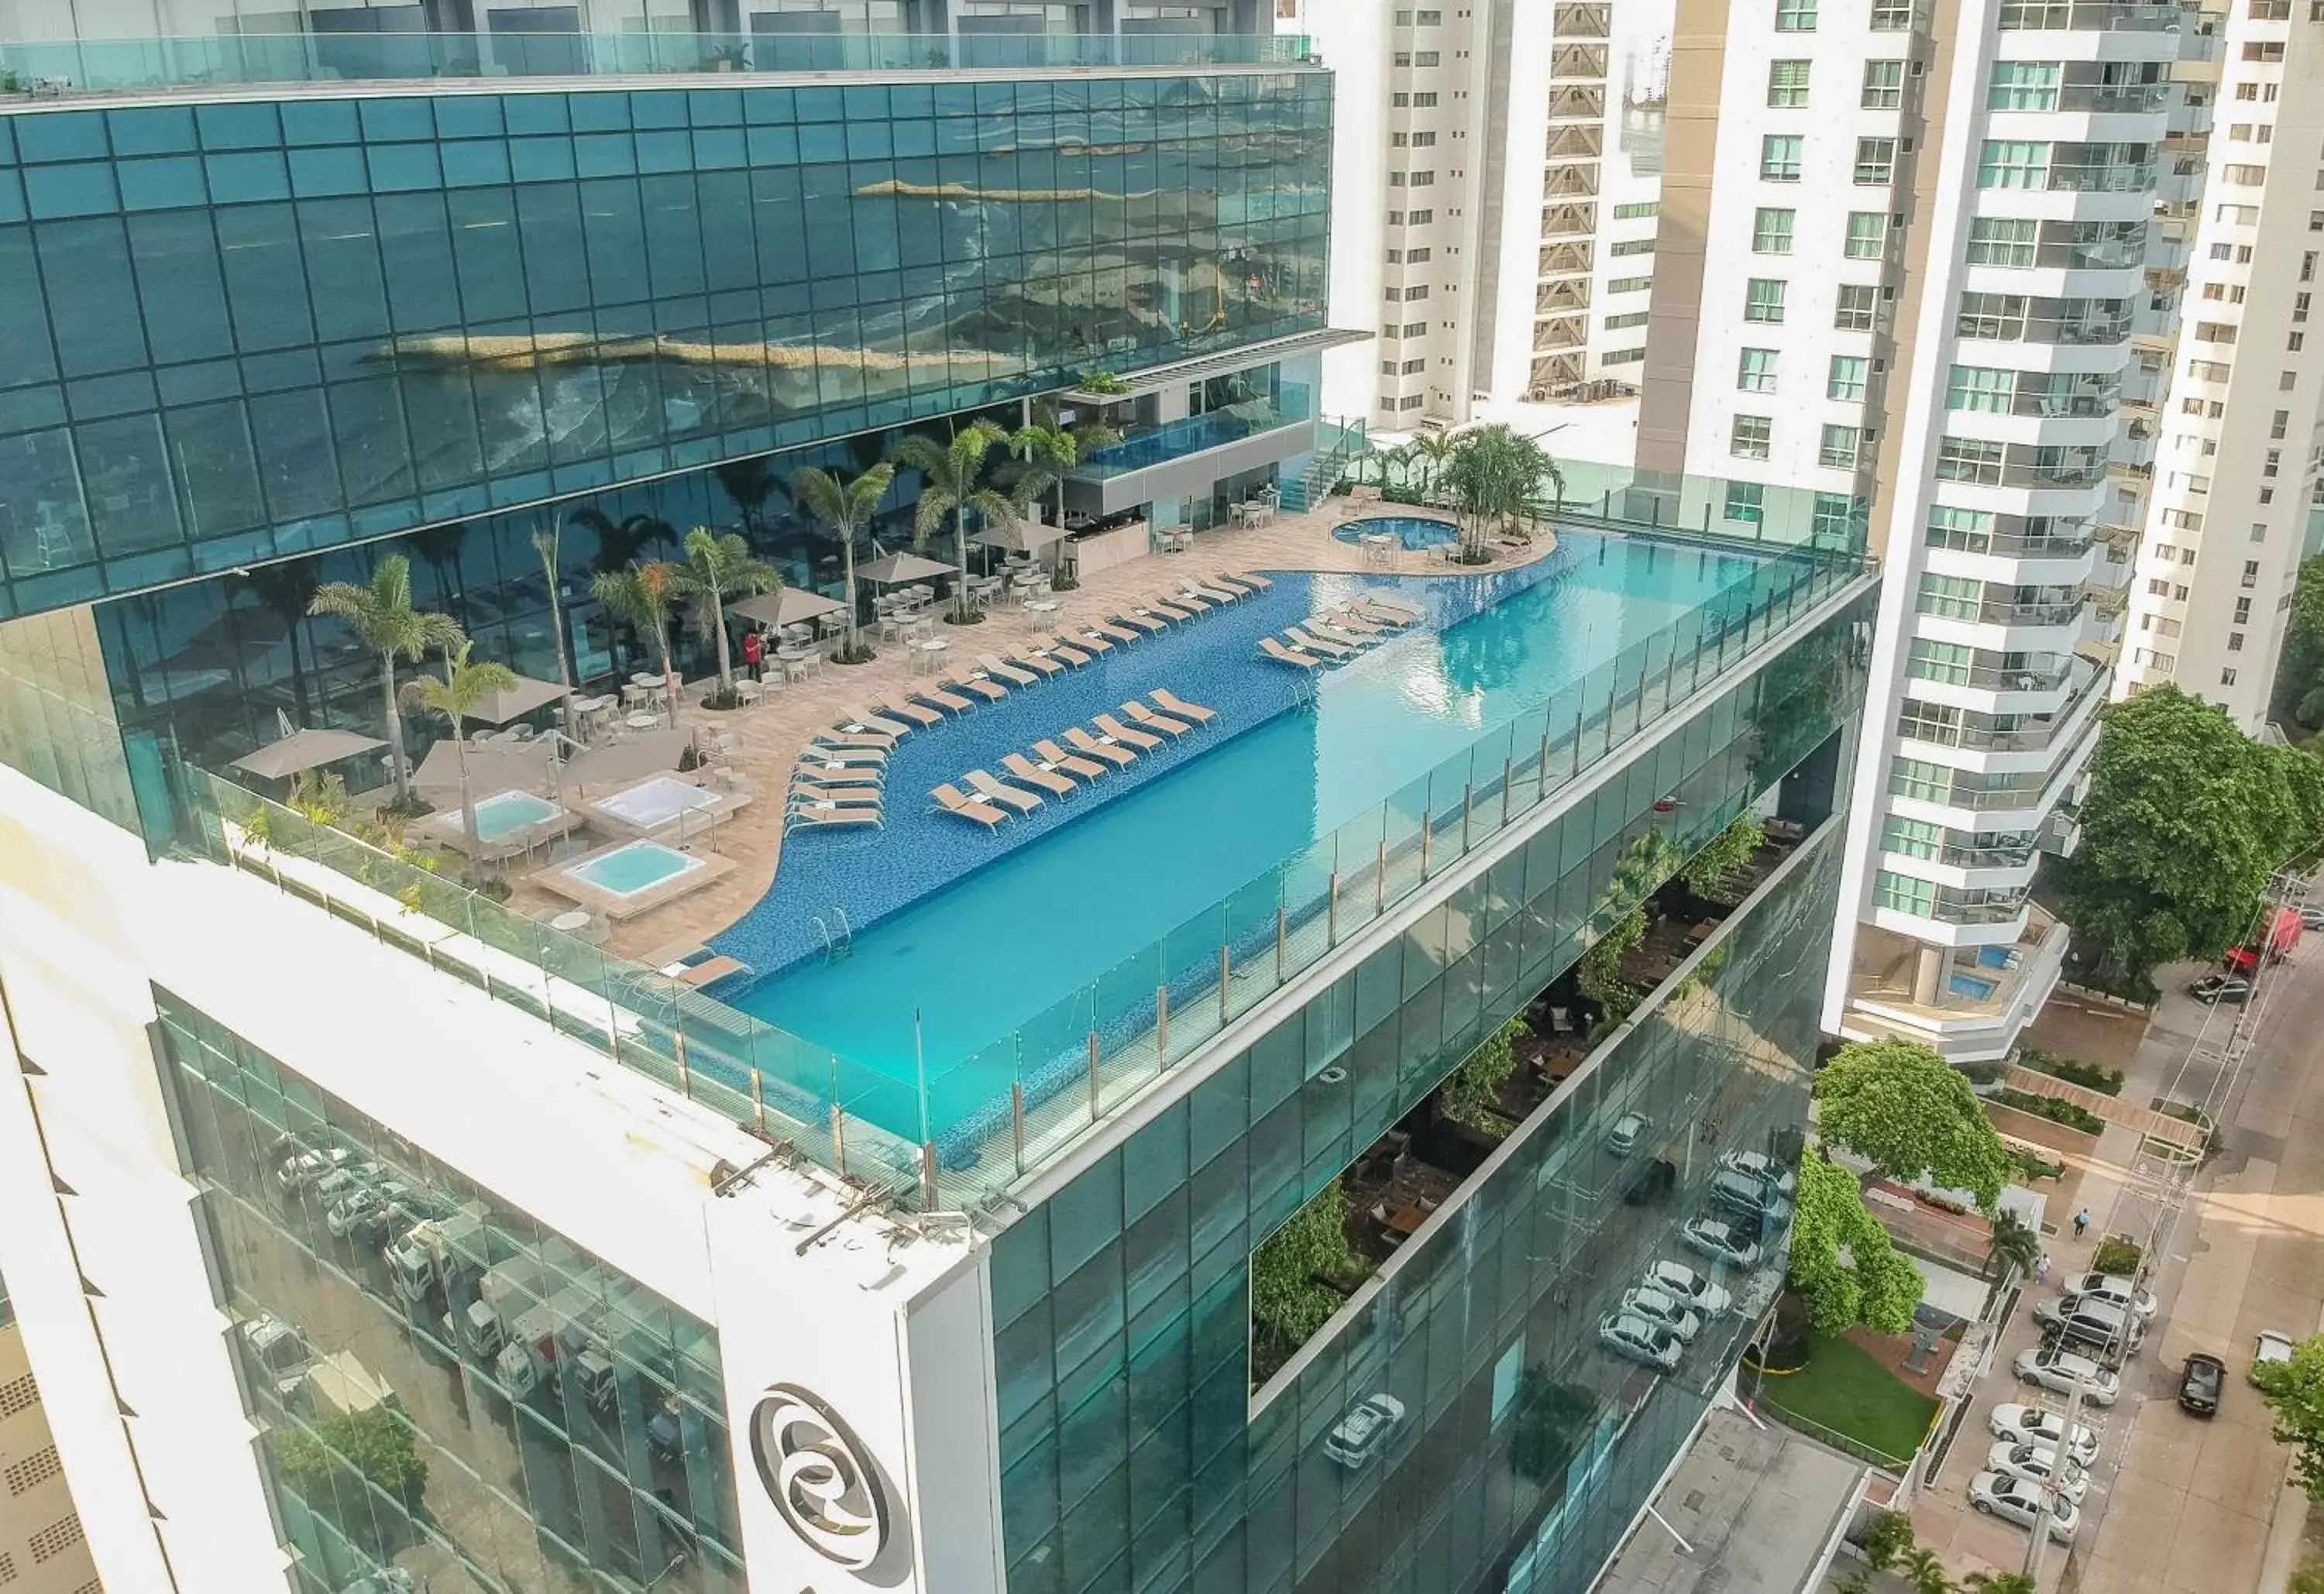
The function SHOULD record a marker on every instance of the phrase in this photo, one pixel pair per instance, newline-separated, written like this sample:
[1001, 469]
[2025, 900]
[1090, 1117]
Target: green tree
[2015, 1244]
[1598, 975]
[1914, 1115]
[954, 481]
[2185, 820]
[2295, 1393]
[748, 483]
[465, 683]
[619, 543]
[1552, 1417]
[642, 597]
[2299, 693]
[1047, 448]
[719, 568]
[387, 627]
[1472, 1094]
[2002, 1582]
[1711, 873]
[1495, 477]
[376, 1443]
[845, 508]
[1843, 1264]
[548, 540]
[1288, 1305]
[1925, 1573]
[1888, 1539]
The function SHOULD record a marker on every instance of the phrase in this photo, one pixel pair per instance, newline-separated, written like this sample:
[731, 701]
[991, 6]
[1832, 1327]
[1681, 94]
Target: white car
[1644, 1341]
[1623, 1136]
[2058, 1371]
[1682, 1283]
[2269, 1347]
[2017, 1500]
[350, 1212]
[306, 1166]
[2111, 1288]
[2038, 1424]
[1674, 1315]
[1721, 1240]
[1762, 1167]
[1365, 1428]
[2037, 1463]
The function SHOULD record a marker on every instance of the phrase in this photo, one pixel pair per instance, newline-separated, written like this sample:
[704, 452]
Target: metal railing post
[758, 1101]
[1092, 1076]
[1509, 778]
[1427, 840]
[839, 1139]
[1226, 972]
[928, 1175]
[1282, 937]
[1468, 806]
[685, 1074]
[1016, 1121]
[1613, 706]
[1541, 769]
[1161, 1028]
[1379, 880]
[1332, 913]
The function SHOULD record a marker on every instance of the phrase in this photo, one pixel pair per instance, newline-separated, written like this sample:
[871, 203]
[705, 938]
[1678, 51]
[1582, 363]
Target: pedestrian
[2041, 1269]
[753, 650]
[2081, 1222]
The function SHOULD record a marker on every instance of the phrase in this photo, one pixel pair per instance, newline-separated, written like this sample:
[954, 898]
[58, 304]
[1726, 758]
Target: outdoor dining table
[1037, 611]
[929, 652]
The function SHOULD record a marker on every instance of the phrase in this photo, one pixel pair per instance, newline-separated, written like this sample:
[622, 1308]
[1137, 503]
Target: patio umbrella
[1020, 536]
[521, 699]
[617, 763]
[892, 569]
[793, 605]
[502, 766]
[303, 751]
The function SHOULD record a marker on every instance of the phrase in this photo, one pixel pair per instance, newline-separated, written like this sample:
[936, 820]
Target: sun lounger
[1308, 643]
[1059, 648]
[1138, 619]
[1348, 618]
[808, 794]
[1033, 775]
[1283, 655]
[831, 816]
[1319, 626]
[1089, 641]
[1214, 594]
[857, 741]
[1034, 659]
[1171, 703]
[1246, 585]
[1150, 721]
[953, 800]
[858, 721]
[991, 691]
[1143, 740]
[1116, 632]
[950, 702]
[832, 772]
[1169, 612]
[1195, 601]
[997, 667]
[1121, 758]
[1050, 753]
[906, 709]
[1403, 610]
[1000, 791]
[823, 753]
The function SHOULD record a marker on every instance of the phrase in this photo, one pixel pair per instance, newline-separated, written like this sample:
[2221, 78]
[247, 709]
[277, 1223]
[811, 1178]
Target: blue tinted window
[70, 190]
[61, 135]
[157, 130]
[238, 127]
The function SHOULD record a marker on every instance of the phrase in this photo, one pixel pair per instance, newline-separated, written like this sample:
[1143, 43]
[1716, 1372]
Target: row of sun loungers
[1336, 634]
[1088, 755]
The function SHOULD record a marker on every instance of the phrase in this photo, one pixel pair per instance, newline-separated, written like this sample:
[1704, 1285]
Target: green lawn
[1844, 1388]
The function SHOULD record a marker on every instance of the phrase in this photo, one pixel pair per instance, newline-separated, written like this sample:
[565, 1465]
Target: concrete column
[1928, 977]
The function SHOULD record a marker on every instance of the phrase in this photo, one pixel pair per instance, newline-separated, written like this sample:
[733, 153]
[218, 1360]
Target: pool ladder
[838, 945]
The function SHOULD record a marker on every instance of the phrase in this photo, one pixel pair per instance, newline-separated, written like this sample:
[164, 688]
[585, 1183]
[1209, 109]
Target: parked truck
[2282, 933]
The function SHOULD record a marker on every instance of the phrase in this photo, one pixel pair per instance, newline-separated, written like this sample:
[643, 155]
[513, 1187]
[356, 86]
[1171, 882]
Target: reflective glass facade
[491, 1410]
[231, 332]
[1132, 1456]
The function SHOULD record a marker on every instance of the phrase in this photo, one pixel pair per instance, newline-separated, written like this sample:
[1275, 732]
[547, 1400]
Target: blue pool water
[1970, 986]
[506, 812]
[1993, 957]
[627, 870]
[1418, 533]
[977, 935]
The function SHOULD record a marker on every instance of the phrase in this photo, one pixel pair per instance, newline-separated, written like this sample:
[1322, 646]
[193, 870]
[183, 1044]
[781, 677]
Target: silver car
[1674, 1315]
[1641, 1340]
[2038, 1463]
[2038, 1424]
[2111, 1288]
[1363, 1430]
[2019, 1500]
[1682, 1283]
[2061, 1372]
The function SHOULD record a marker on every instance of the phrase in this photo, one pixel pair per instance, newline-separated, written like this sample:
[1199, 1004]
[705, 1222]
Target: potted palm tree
[465, 683]
[641, 598]
[846, 507]
[716, 569]
[386, 626]
[953, 483]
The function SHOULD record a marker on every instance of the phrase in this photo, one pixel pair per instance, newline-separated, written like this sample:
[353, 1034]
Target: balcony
[1186, 457]
[1970, 1004]
[2091, 16]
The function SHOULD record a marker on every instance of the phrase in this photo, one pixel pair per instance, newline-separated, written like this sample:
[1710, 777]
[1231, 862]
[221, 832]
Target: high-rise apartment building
[43, 1549]
[2235, 468]
[1496, 211]
[835, 1142]
[1911, 267]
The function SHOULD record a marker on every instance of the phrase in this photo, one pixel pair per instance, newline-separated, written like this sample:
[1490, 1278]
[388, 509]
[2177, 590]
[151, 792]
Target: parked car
[302, 1168]
[1622, 1136]
[2039, 1424]
[1759, 1165]
[1358, 1435]
[1674, 1315]
[2114, 1289]
[1639, 1339]
[1754, 1201]
[2038, 1463]
[354, 1210]
[1721, 1240]
[1682, 1282]
[2074, 1320]
[2271, 1346]
[279, 1350]
[2231, 989]
[2019, 1500]
[2058, 1371]
[2201, 1381]
[2312, 918]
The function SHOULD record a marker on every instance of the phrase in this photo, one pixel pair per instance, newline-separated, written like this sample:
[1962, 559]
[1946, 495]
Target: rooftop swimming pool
[972, 950]
[504, 813]
[1416, 533]
[626, 870]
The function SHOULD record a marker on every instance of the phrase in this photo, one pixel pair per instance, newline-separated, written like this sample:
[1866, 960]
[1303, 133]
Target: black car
[2231, 989]
[2201, 1384]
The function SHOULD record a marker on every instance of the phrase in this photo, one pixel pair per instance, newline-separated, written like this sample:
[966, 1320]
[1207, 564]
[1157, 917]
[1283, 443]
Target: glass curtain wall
[1121, 1306]
[443, 1387]
[236, 332]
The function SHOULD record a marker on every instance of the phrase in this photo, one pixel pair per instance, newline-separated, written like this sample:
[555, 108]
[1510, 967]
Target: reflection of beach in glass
[1646, 90]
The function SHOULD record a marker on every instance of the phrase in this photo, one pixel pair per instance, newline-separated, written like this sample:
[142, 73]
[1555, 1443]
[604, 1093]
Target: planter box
[2039, 1131]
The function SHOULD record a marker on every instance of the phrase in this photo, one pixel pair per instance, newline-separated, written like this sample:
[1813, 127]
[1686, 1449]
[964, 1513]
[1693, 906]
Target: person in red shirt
[753, 650]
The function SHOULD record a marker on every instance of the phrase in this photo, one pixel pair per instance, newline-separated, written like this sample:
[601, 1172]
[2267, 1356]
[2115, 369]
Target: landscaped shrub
[2089, 1075]
[2055, 1110]
[2117, 1256]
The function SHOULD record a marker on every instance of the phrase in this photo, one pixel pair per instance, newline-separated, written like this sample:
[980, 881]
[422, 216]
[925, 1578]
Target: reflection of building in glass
[42, 1545]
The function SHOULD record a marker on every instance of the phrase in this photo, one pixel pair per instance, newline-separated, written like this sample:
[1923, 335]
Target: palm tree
[287, 587]
[749, 484]
[1495, 477]
[619, 544]
[1065, 446]
[1925, 1573]
[465, 683]
[641, 598]
[1431, 452]
[2015, 1243]
[717, 569]
[846, 507]
[389, 628]
[953, 483]
[546, 539]
[1044, 451]
[2002, 1582]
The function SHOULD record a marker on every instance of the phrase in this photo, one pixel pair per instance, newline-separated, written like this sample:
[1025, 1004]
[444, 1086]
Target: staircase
[1337, 444]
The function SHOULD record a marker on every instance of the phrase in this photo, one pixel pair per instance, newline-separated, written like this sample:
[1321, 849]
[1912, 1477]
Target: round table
[645, 719]
[1039, 610]
[931, 653]
[569, 924]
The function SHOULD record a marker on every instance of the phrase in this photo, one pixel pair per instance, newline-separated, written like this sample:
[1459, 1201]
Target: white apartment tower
[1932, 228]
[1494, 208]
[2235, 470]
